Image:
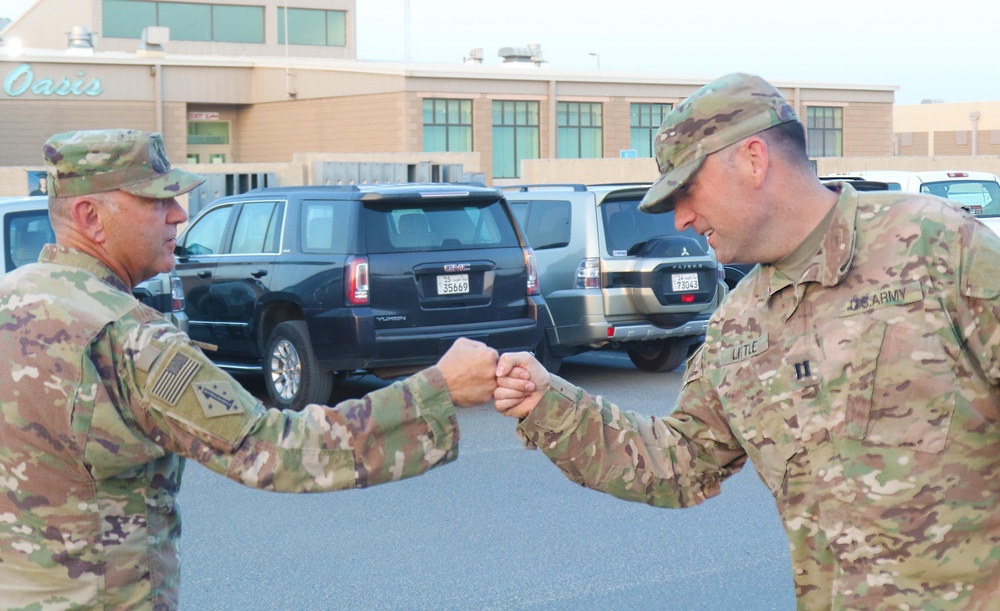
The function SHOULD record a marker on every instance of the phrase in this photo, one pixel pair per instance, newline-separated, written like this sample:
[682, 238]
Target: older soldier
[856, 368]
[103, 399]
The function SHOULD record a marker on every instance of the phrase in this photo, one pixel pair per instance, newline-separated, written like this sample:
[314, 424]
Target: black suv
[309, 284]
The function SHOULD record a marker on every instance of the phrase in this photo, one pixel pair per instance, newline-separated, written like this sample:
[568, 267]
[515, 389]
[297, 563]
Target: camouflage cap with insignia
[97, 161]
[718, 115]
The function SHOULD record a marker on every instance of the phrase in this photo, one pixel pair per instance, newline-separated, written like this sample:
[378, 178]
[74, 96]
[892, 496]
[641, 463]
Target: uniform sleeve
[674, 461]
[389, 434]
[187, 405]
[979, 310]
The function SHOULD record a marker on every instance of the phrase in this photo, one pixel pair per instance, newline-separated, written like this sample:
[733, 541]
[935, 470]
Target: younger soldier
[856, 368]
[103, 399]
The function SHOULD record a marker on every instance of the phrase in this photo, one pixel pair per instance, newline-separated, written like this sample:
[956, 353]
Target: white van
[977, 192]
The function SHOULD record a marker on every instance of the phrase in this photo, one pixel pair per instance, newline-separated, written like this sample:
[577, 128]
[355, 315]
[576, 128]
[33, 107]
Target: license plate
[453, 284]
[684, 282]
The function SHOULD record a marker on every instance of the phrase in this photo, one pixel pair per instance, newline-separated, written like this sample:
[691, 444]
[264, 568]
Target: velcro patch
[889, 296]
[217, 398]
[752, 347]
[173, 380]
[147, 357]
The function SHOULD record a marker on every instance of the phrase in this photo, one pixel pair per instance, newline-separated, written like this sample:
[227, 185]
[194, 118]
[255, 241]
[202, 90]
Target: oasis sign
[22, 80]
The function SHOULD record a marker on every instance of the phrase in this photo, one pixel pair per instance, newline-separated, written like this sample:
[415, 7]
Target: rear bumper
[350, 343]
[582, 322]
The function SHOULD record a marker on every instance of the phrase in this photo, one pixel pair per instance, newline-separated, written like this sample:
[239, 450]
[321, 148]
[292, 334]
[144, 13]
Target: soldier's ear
[87, 219]
[759, 159]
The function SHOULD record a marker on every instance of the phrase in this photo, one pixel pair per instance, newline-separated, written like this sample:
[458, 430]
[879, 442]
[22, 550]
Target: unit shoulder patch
[217, 398]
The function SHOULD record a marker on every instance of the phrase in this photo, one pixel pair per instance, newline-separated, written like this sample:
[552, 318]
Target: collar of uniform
[834, 258]
[63, 255]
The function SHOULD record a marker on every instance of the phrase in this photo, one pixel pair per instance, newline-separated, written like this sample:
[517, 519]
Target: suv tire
[659, 356]
[544, 355]
[291, 372]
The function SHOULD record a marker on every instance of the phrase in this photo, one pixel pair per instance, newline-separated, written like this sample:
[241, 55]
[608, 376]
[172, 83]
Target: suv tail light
[356, 281]
[532, 266]
[176, 294]
[588, 274]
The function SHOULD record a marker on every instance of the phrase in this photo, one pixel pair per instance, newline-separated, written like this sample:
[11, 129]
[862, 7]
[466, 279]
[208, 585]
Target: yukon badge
[457, 267]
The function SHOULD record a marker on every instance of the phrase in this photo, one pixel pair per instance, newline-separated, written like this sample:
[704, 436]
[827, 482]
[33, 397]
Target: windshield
[980, 197]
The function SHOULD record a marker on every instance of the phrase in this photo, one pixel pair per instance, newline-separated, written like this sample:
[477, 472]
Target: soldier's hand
[521, 382]
[469, 368]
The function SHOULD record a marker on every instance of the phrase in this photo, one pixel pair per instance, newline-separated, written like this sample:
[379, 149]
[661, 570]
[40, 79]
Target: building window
[447, 125]
[208, 132]
[515, 136]
[579, 130]
[646, 120]
[825, 134]
[186, 20]
[237, 23]
[313, 27]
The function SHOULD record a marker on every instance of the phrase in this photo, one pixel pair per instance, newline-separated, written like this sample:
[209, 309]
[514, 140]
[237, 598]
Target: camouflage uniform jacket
[865, 396]
[101, 399]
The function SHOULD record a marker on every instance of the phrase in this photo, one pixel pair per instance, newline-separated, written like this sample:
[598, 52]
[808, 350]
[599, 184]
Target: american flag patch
[174, 379]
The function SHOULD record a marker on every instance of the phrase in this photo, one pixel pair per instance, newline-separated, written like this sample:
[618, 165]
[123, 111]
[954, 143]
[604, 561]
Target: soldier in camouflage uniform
[103, 399]
[856, 368]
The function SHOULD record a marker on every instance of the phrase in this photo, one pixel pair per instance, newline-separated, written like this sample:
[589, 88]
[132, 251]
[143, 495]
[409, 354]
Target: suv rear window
[627, 229]
[393, 228]
[982, 196]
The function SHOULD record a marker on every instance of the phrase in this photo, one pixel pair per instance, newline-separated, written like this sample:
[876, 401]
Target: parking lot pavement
[500, 528]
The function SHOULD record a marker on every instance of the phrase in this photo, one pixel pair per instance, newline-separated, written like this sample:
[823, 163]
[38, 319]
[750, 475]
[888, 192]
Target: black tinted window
[437, 226]
[627, 229]
[257, 229]
[326, 226]
[205, 236]
[546, 223]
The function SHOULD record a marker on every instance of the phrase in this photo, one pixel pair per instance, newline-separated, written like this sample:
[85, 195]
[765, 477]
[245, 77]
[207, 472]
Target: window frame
[452, 111]
[518, 130]
[575, 128]
[645, 130]
[111, 28]
[825, 131]
[340, 36]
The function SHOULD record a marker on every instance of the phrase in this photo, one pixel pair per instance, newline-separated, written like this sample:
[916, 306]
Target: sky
[929, 49]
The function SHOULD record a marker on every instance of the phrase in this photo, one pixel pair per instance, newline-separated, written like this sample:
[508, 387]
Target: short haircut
[789, 139]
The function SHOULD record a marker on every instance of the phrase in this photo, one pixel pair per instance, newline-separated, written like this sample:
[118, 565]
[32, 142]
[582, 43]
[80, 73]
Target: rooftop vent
[79, 41]
[932, 101]
[475, 57]
[532, 54]
[153, 39]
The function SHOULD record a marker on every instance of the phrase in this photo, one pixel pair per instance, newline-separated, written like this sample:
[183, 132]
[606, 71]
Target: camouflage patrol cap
[96, 161]
[718, 115]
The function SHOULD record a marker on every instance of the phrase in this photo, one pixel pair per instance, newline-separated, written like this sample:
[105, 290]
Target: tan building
[218, 79]
[936, 128]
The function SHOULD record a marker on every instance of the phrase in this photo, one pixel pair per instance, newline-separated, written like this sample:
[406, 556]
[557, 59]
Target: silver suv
[613, 276]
